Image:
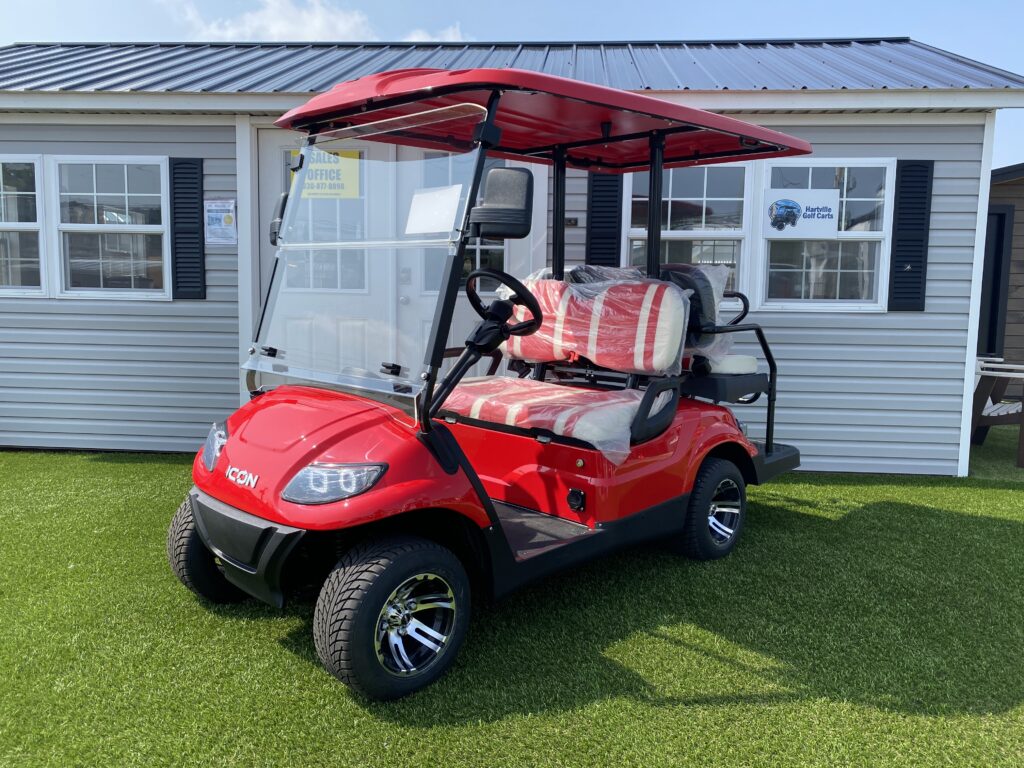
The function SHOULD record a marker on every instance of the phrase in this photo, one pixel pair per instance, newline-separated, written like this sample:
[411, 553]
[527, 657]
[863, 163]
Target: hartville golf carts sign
[802, 214]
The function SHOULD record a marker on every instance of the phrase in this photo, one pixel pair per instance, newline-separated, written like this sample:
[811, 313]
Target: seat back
[707, 284]
[636, 326]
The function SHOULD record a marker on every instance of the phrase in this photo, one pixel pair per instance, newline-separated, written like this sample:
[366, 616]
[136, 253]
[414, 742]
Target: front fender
[282, 431]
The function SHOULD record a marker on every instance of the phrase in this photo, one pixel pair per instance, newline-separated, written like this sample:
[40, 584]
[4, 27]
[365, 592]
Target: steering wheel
[520, 295]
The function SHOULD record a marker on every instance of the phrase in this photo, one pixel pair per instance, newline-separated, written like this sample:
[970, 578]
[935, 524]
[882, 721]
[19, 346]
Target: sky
[989, 32]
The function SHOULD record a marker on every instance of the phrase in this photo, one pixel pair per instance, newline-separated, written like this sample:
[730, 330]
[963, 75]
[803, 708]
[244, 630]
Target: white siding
[876, 392]
[575, 207]
[149, 375]
[884, 392]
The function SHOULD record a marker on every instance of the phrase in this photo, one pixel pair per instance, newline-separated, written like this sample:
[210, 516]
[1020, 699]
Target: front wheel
[194, 564]
[718, 507]
[392, 616]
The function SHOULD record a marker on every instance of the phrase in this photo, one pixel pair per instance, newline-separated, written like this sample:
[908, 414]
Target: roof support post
[657, 142]
[558, 216]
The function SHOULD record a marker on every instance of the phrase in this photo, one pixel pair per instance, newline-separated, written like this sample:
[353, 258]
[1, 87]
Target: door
[325, 278]
[339, 301]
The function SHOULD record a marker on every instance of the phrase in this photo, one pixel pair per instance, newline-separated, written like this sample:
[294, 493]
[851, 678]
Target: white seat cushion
[734, 364]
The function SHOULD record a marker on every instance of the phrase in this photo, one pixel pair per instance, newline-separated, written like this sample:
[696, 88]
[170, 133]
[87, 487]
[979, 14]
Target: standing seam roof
[746, 65]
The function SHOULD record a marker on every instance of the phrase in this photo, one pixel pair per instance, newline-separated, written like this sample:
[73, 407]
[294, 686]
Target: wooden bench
[990, 409]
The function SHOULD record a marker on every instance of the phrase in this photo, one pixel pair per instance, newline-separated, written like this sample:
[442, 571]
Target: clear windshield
[366, 232]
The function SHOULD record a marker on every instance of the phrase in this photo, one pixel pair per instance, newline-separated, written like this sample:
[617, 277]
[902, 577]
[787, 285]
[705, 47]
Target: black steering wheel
[520, 295]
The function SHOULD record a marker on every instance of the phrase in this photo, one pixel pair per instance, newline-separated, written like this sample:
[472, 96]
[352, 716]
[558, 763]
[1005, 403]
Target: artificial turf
[861, 621]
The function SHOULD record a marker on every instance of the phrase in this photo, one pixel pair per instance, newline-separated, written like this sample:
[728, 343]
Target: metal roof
[743, 65]
[1008, 173]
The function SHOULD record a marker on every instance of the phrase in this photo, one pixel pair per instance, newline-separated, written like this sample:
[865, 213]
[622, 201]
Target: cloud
[298, 20]
[280, 20]
[450, 34]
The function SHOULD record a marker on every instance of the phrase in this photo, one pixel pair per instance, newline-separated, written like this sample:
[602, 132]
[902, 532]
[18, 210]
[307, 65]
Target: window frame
[759, 282]
[289, 175]
[56, 228]
[743, 234]
[39, 227]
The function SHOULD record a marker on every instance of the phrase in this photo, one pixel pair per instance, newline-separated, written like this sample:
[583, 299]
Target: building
[124, 330]
[1003, 290]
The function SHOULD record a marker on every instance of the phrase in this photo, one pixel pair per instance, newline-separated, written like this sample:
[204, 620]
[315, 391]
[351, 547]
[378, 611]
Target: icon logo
[783, 213]
[242, 477]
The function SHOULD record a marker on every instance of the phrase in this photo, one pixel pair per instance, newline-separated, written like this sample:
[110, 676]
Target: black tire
[702, 539]
[193, 563]
[349, 620]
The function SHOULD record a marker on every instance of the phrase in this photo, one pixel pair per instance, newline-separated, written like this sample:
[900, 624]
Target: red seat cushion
[600, 418]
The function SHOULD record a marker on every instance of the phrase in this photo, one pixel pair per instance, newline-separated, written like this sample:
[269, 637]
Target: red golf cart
[406, 476]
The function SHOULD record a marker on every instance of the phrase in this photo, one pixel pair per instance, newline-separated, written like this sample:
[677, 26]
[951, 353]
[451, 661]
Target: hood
[273, 436]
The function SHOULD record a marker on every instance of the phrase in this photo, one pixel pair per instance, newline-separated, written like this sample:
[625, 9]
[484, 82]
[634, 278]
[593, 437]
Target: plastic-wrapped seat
[707, 283]
[636, 327]
[599, 418]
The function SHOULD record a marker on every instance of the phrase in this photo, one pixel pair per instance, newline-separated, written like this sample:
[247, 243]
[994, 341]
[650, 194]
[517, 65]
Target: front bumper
[252, 550]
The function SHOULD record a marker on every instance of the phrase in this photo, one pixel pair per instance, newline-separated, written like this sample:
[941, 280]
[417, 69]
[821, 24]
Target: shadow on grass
[893, 605]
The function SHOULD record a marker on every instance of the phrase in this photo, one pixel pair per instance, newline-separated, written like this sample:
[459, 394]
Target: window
[112, 226]
[20, 215]
[702, 216]
[848, 271]
[481, 253]
[336, 216]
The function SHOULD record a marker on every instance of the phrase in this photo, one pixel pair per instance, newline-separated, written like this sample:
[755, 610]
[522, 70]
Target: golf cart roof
[601, 129]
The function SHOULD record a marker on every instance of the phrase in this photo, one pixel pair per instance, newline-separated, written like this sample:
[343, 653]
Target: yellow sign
[331, 175]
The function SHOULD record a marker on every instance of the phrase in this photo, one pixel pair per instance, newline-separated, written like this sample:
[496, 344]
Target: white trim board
[714, 100]
[248, 234]
[863, 118]
[101, 118]
[968, 99]
[974, 313]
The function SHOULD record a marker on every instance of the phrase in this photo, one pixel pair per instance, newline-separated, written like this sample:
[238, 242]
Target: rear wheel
[392, 616]
[194, 564]
[717, 511]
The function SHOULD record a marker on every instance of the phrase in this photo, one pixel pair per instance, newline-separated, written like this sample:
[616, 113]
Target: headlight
[214, 442]
[324, 483]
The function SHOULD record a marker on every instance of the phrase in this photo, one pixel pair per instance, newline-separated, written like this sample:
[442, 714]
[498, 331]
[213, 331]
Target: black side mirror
[275, 223]
[507, 210]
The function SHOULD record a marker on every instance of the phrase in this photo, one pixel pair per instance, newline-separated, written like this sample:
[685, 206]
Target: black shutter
[604, 219]
[908, 268]
[188, 253]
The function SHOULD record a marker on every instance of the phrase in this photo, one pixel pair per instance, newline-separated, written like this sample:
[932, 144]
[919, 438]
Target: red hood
[280, 432]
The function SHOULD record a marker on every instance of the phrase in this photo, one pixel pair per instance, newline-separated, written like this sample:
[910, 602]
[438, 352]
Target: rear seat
[635, 327]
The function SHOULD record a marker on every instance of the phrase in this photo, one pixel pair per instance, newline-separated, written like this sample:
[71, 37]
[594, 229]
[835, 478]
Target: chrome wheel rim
[415, 624]
[724, 514]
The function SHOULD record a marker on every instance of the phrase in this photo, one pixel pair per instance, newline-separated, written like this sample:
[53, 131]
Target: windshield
[364, 239]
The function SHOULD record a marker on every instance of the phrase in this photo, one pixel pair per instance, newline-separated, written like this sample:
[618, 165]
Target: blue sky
[987, 30]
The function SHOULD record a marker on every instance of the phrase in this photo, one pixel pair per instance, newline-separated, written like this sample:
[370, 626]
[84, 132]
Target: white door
[340, 301]
[350, 278]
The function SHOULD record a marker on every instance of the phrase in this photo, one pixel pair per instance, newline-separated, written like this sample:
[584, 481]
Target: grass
[997, 458]
[863, 621]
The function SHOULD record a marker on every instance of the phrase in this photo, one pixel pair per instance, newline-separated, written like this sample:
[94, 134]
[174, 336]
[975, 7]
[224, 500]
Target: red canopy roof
[602, 129]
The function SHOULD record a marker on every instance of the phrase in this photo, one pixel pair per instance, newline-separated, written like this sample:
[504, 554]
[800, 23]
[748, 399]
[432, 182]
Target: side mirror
[275, 223]
[507, 210]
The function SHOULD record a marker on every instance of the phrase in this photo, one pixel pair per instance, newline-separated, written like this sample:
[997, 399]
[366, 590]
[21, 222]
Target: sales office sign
[802, 214]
